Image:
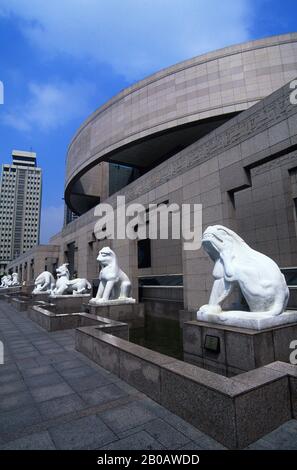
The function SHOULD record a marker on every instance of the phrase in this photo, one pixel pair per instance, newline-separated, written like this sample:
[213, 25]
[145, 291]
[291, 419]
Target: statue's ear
[224, 231]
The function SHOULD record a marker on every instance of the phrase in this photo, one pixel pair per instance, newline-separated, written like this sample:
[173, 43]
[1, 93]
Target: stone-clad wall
[261, 209]
[34, 262]
[214, 84]
[244, 175]
[235, 411]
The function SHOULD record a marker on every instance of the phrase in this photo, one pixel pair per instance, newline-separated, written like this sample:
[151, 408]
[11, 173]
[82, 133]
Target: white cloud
[51, 105]
[51, 222]
[135, 37]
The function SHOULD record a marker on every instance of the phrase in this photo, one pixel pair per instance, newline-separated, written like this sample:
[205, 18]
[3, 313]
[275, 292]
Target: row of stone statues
[235, 263]
[114, 283]
[10, 280]
[46, 283]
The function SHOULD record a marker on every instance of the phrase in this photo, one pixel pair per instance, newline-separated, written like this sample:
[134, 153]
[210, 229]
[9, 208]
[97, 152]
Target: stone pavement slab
[36, 441]
[65, 405]
[52, 397]
[12, 421]
[138, 441]
[283, 438]
[127, 417]
[89, 432]
[102, 395]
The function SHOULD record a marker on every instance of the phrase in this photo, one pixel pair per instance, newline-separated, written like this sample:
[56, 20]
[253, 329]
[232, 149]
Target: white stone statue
[114, 286]
[4, 281]
[66, 286]
[258, 276]
[8, 280]
[15, 280]
[44, 283]
[11, 280]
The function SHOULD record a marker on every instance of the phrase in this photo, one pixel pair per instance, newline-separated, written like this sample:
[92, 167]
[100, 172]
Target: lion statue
[65, 286]
[45, 282]
[114, 283]
[258, 276]
[15, 279]
[4, 281]
[10, 280]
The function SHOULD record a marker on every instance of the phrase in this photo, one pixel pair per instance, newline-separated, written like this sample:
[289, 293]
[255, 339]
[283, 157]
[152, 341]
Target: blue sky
[60, 60]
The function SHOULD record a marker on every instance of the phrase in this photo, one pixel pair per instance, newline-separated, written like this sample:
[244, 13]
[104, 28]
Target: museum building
[218, 130]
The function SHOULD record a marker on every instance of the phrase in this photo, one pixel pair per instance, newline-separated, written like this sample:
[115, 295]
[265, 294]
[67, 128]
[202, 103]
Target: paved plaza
[52, 397]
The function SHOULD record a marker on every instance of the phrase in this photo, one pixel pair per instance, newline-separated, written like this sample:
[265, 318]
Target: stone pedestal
[111, 302]
[21, 303]
[27, 289]
[229, 350]
[131, 313]
[40, 296]
[7, 297]
[51, 321]
[10, 290]
[253, 321]
[69, 303]
[235, 411]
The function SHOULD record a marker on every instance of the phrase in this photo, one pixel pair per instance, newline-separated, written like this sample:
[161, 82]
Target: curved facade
[243, 174]
[152, 120]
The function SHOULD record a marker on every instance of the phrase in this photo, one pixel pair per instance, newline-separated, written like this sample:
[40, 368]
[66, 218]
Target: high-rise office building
[20, 204]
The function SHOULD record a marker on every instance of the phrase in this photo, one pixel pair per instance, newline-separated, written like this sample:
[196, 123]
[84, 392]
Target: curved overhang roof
[158, 116]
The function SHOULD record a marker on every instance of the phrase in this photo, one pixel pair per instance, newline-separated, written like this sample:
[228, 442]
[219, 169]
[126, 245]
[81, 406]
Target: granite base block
[239, 348]
[107, 303]
[131, 313]
[107, 356]
[236, 411]
[68, 303]
[41, 296]
[20, 305]
[51, 321]
[10, 290]
[293, 388]
[203, 407]
[291, 370]
[248, 320]
[262, 410]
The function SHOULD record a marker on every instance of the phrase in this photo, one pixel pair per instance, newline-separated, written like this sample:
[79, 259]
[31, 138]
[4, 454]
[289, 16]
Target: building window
[144, 253]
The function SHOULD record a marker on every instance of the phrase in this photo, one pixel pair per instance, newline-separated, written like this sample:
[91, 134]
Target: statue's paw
[96, 300]
[209, 309]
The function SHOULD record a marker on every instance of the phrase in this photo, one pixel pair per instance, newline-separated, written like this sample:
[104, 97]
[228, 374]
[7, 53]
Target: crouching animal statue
[114, 283]
[45, 282]
[66, 286]
[4, 281]
[258, 276]
[15, 280]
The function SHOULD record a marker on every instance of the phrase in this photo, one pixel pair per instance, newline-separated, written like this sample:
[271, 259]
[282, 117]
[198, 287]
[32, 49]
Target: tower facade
[20, 206]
